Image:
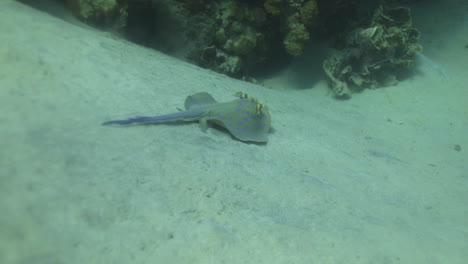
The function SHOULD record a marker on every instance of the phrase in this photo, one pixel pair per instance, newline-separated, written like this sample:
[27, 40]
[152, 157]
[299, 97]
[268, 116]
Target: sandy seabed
[381, 178]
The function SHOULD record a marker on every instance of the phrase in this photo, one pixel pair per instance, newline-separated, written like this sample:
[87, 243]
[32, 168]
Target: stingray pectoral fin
[199, 100]
[203, 124]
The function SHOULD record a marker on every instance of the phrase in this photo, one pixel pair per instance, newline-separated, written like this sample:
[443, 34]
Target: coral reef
[102, 13]
[379, 54]
[227, 36]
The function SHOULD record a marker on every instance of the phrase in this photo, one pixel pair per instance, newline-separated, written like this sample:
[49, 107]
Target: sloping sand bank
[375, 179]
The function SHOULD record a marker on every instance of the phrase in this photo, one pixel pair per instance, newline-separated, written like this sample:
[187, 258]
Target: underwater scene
[223, 131]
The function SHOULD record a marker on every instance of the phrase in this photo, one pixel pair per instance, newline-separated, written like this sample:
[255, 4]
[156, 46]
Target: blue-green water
[380, 178]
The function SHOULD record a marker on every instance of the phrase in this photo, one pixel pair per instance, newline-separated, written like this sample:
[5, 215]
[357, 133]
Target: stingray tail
[134, 120]
[179, 116]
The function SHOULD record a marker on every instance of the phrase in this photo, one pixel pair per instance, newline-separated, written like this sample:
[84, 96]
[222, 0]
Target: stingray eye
[258, 108]
[242, 95]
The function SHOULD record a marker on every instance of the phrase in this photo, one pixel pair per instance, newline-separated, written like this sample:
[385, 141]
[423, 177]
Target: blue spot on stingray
[229, 124]
[239, 123]
[252, 116]
[238, 109]
[245, 118]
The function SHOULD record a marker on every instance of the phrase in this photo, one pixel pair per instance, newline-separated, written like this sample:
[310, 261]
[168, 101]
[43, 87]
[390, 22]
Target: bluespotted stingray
[245, 118]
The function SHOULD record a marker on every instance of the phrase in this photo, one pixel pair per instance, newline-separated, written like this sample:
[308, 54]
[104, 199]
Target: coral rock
[106, 13]
[378, 55]
[295, 40]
